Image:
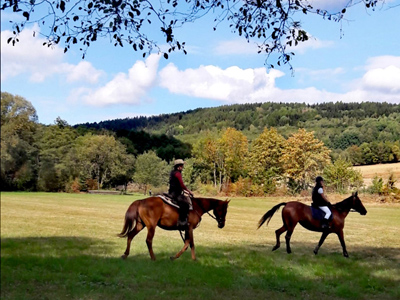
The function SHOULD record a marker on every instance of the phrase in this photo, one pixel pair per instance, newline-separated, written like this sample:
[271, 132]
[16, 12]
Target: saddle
[318, 214]
[169, 200]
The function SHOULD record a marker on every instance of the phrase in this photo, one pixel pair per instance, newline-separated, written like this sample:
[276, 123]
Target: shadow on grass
[82, 268]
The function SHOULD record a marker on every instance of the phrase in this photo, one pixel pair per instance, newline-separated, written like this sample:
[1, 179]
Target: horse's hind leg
[131, 235]
[149, 240]
[287, 238]
[278, 233]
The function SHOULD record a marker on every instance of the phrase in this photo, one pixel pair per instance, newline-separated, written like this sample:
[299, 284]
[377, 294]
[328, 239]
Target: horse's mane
[344, 205]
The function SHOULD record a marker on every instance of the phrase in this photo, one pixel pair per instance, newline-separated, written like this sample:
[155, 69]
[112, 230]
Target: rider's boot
[325, 224]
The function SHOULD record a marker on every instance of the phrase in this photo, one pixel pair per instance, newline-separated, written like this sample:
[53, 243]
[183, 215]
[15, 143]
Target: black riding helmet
[319, 179]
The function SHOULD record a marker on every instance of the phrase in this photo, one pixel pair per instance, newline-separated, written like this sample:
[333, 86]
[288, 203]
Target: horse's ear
[227, 201]
[354, 194]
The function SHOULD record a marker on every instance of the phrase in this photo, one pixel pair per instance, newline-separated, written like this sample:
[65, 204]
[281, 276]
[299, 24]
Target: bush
[208, 189]
[377, 186]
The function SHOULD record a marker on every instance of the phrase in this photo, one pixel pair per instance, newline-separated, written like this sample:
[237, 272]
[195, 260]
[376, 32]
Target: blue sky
[355, 61]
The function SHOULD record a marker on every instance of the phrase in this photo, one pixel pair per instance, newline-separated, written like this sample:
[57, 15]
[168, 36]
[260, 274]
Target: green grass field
[64, 246]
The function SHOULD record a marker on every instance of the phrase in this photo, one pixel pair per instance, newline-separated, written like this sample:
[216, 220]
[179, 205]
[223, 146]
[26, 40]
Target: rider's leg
[183, 211]
[328, 213]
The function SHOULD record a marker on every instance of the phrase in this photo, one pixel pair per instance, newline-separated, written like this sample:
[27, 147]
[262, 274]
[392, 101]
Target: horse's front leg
[191, 241]
[341, 239]
[321, 241]
[185, 246]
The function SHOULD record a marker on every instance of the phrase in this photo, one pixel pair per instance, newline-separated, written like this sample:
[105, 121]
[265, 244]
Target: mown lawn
[64, 246]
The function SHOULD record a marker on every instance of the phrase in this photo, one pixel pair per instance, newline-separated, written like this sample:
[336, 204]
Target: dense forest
[251, 149]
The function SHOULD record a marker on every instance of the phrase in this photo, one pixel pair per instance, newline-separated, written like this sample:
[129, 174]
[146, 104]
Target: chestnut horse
[152, 212]
[296, 212]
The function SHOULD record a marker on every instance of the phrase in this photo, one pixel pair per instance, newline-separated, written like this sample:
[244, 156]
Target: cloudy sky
[353, 61]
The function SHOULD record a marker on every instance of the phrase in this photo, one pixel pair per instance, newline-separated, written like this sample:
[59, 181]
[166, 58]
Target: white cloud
[383, 61]
[84, 71]
[386, 79]
[233, 85]
[29, 56]
[125, 88]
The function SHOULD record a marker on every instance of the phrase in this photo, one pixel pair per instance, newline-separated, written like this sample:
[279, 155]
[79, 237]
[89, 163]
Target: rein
[207, 212]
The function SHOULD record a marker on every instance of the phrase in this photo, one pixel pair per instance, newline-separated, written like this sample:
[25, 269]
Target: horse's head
[357, 204]
[220, 211]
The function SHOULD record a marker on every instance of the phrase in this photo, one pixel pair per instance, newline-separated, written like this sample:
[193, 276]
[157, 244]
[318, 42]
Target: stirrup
[182, 223]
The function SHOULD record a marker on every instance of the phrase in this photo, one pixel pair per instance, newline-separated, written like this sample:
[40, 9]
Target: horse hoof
[124, 256]
[172, 258]
[276, 247]
[346, 255]
[315, 252]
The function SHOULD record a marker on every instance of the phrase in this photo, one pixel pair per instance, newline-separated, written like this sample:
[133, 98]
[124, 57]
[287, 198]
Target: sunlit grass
[64, 246]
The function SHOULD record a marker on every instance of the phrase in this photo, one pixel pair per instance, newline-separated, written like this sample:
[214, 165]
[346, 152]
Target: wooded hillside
[351, 129]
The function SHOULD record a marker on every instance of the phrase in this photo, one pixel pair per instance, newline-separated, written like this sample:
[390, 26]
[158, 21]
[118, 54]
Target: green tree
[355, 155]
[275, 24]
[304, 157]
[18, 153]
[54, 143]
[342, 176]
[189, 173]
[150, 171]
[99, 157]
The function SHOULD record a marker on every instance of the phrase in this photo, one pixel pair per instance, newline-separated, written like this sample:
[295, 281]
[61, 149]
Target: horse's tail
[131, 217]
[268, 215]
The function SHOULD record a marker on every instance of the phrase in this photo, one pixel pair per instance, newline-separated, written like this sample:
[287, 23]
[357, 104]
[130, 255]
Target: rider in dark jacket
[176, 189]
[319, 199]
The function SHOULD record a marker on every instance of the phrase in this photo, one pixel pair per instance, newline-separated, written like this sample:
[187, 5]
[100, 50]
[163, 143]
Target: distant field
[381, 170]
[64, 246]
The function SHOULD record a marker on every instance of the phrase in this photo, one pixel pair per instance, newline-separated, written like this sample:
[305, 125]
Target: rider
[319, 199]
[176, 189]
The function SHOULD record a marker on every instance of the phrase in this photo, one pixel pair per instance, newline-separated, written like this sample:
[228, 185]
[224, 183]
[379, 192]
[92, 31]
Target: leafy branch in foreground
[274, 23]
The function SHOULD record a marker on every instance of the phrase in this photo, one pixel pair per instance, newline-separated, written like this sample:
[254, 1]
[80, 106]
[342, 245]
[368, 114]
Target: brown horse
[296, 212]
[152, 212]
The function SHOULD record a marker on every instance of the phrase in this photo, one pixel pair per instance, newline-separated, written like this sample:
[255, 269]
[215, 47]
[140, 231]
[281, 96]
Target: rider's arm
[321, 192]
[179, 176]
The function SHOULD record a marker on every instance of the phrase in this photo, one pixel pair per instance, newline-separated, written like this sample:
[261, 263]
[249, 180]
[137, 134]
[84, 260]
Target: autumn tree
[274, 24]
[264, 160]
[207, 155]
[233, 147]
[304, 157]
[18, 152]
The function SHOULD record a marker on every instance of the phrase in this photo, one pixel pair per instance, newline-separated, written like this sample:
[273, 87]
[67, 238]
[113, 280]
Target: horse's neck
[344, 206]
[206, 204]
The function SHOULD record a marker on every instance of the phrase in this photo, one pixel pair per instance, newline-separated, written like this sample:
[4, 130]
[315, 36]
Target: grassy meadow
[64, 246]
